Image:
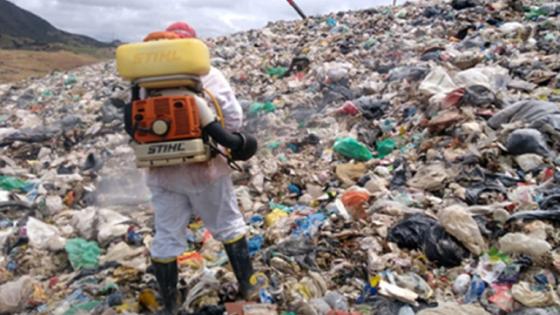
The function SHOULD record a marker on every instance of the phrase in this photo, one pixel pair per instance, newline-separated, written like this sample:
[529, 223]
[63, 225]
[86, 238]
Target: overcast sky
[131, 20]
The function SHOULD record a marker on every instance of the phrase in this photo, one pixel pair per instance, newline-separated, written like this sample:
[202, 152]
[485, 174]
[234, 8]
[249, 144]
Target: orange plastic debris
[354, 202]
[191, 259]
[355, 199]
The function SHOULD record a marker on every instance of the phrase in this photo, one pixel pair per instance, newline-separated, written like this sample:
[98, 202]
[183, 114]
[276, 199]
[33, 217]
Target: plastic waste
[529, 162]
[372, 107]
[475, 290]
[109, 224]
[406, 310]
[255, 244]
[12, 183]
[126, 256]
[376, 184]
[536, 311]
[533, 112]
[535, 12]
[438, 82]
[320, 305]
[385, 147]
[455, 309]
[349, 109]
[349, 173]
[479, 96]
[491, 79]
[532, 297]
[82, 254]
[410, 232]
[523, 141]
[492, 266]
[278, 72]
[355, 199]
[351, 148]
[410, 73]
[393, 291]
[401, 174]
[274, 216]
[442, 248]
[459, 223]
[383, 305]
[334, 72]
[115, 299]
[336, 301]
[44, 236]
[502, 297]
[415, 283]
[519, 243]
[82, 308]
[464, 4]
[257, 108]
[70, 79]
[511, 27]
[15, 295]
[461, 284]
[550, 215]
[133, 237]
[429, 177]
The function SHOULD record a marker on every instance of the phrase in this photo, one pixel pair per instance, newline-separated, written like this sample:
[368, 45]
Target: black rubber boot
[167, 275]
[238, 254]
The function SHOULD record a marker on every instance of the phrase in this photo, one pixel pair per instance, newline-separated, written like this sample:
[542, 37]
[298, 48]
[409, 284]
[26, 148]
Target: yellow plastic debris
[148, 300]
[273, 217]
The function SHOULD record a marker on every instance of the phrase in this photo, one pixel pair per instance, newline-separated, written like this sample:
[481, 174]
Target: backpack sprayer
[172, 123]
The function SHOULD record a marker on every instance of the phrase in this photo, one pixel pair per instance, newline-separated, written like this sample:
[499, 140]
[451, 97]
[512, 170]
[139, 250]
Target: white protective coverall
[202, 189]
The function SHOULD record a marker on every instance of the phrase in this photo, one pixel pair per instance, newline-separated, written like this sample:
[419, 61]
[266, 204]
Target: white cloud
[131, 20]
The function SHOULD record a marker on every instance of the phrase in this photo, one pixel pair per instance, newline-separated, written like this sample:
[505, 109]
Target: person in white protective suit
[200, 189]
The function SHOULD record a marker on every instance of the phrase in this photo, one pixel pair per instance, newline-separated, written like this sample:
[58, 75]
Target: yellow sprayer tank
[163, 58]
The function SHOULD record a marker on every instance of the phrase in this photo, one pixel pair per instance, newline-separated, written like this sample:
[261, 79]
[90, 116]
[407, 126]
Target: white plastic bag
[519, 243]
[438, 82]
[108, 224]
[458, 222]
[44, 236]
[15, 295]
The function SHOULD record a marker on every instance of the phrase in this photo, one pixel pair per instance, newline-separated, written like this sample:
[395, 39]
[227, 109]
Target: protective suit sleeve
[216, 83]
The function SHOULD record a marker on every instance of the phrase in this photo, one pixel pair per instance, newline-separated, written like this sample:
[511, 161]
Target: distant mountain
[21, 29]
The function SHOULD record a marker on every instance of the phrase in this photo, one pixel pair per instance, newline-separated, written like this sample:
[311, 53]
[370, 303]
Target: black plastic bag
[442, 248]
[372, 107]
[548, 215]
[464, 4]
[400, 175]
[410, 232]
[527, 140]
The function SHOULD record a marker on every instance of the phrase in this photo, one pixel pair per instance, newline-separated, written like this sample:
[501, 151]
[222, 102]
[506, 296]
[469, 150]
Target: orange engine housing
[179, 112]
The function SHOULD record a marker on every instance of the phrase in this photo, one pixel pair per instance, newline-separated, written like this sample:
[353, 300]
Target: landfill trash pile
[408, 164]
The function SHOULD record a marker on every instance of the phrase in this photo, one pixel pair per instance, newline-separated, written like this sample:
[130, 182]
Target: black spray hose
[229, 140]
[242, 146]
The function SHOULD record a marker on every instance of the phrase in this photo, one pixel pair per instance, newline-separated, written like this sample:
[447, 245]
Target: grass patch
[16, 65]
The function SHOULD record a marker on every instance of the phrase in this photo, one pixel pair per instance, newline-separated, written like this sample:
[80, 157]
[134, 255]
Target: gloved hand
[246, 150]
